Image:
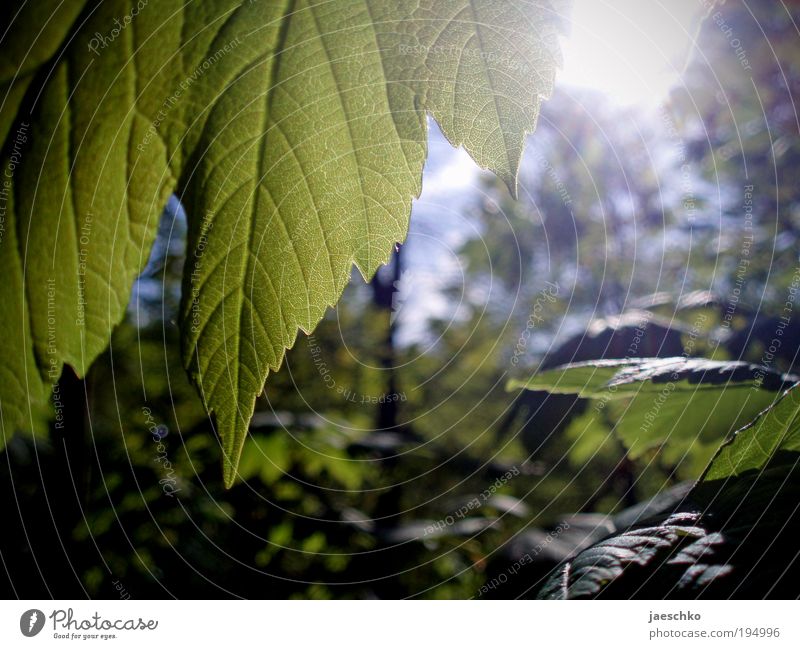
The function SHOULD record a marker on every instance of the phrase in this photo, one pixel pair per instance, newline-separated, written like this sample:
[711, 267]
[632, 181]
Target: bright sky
[631, 49]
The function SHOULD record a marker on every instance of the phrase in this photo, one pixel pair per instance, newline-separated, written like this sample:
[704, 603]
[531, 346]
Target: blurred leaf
[729, 538]
[697, 309]
[618, 379]
[685, 404]
[266, 456]
[632, 334]
[337, 466]
[600, 566]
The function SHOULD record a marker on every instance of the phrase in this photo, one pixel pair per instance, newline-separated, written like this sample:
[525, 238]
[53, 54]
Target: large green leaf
[623, 378]
[753, 447]
[685, 405]
[294, 133]
[743, 510]
[599, 569]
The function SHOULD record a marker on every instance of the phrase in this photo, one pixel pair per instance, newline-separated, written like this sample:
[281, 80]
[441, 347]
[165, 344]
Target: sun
[632, 50]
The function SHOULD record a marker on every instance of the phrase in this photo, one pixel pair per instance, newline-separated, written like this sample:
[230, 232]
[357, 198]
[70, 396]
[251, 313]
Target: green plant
[684, 407]
[294, 134]
[714, 542]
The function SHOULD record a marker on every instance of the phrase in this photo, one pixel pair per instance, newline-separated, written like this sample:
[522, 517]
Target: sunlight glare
[631, 50]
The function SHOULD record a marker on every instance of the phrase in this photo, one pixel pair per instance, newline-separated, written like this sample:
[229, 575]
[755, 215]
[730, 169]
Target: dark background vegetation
[391, 419]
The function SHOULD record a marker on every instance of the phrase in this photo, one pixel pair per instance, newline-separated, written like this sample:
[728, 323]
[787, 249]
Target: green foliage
[686, 406]
[619, 379]
[329, 501]
[673, 543]
[755, 446]
[742, 510]
[721, 541]
[295, 135]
